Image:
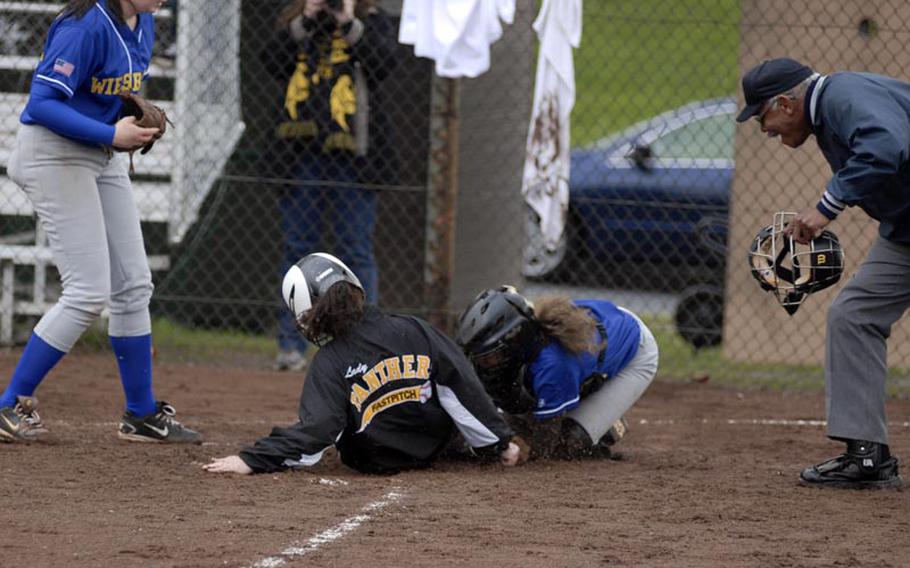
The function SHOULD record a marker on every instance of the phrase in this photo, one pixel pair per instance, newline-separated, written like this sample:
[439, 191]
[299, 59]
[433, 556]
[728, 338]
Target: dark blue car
[653, 199]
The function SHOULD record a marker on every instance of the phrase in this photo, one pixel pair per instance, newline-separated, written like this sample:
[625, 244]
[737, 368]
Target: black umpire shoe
[865, 465]
[160, 427]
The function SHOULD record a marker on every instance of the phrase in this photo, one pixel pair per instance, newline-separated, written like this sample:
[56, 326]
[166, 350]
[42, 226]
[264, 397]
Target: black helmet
[308, 280]
[791, 270]
[499, 333]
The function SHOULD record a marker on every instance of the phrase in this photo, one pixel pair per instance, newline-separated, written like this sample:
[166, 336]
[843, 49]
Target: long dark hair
[338, 311]
[79, 8]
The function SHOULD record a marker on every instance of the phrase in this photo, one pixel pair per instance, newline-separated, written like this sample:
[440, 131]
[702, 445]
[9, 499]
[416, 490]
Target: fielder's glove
[147, 115]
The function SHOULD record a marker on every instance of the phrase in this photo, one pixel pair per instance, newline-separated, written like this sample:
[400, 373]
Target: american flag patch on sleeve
[64, 67]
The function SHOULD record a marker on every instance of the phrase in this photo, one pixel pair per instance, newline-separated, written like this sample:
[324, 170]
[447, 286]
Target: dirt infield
[708, 480]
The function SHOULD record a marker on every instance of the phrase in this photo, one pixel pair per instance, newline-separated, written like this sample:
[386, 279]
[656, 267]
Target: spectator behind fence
[331, 54]
[83, 197]
[567, 371]
[861, 123]
[388, 391]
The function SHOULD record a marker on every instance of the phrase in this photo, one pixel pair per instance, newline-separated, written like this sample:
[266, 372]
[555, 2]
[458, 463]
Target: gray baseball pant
[84, 201]
[859, 324]
[597, 412]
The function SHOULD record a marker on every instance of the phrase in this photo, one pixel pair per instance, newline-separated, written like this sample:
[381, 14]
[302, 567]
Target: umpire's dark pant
[859, 324]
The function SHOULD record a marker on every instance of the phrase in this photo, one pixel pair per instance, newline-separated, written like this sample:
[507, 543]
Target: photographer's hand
[343, 10]
[312, 8]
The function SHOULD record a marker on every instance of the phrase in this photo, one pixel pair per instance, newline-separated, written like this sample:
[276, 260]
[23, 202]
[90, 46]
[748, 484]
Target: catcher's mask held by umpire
[791, 270]
[500, 335]
[308, 280]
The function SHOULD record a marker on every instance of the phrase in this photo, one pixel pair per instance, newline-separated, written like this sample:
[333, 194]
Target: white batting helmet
[309, 279]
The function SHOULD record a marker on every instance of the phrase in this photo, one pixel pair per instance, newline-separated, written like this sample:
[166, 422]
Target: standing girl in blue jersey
[81, 192]
[580, 365]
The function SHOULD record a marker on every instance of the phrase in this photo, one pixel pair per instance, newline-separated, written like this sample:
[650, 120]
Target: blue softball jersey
[94, 58]
[557, 374]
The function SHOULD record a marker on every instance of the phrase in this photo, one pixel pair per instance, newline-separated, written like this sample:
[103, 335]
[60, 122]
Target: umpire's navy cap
[770, 78]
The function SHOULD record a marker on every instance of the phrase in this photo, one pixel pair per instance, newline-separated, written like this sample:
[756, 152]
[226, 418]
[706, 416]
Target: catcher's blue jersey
[557, 374]
[94, 58]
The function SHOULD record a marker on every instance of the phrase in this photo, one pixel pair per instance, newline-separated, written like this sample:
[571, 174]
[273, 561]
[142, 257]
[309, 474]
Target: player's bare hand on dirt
[229, 464]
[510, 456]
[524, 449]
[807, 224]
[128, 135]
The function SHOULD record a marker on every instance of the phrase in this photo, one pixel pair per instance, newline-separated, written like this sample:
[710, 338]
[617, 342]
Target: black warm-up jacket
[389, 395]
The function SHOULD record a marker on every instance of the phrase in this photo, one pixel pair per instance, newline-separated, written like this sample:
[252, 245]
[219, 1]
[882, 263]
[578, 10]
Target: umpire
[861, 122]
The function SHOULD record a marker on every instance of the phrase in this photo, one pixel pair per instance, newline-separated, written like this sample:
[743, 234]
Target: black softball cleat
[865, 465]
[159, 427]
[21, 422]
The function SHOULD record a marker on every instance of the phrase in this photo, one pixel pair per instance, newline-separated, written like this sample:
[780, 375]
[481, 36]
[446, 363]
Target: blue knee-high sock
[37, 360]
[134, 358]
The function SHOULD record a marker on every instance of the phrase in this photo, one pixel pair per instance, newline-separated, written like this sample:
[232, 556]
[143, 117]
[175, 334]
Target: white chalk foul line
[644, 421]
[331, 534]
[754, 422]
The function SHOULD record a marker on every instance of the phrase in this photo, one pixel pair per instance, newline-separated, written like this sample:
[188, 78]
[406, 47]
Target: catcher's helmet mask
[500, 334]
[791, 270]
[308, 281]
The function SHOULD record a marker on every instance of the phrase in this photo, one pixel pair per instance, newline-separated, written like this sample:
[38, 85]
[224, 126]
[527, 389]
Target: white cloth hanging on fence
[455, 33]
[545, 183]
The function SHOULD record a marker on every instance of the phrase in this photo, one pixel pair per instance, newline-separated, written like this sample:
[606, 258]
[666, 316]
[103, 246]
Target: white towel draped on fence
[545, 183]
[455, 33]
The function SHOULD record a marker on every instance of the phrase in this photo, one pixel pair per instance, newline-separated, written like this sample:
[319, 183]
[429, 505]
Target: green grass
[679, 361]
[169, 335]
[639, 58]
[176, 343]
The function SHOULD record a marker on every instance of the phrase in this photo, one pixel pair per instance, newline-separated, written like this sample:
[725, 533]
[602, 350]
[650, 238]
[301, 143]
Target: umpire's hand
[807, 224]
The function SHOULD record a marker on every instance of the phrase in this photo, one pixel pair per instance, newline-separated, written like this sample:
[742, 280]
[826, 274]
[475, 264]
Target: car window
[707, 138]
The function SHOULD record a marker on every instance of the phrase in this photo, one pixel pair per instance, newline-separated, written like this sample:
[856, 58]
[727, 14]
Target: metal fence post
[442, 192]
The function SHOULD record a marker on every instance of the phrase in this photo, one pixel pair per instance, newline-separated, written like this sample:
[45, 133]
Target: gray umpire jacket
[862, 124]
[389, 395]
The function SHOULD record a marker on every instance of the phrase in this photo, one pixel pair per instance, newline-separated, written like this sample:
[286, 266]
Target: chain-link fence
[290, 138]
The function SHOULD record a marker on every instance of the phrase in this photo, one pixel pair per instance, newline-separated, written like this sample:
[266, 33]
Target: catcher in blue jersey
[574, 367]
[387, 391]
[97, 53]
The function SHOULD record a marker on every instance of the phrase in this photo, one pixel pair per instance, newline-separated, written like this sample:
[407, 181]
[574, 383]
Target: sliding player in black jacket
[387, 391]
